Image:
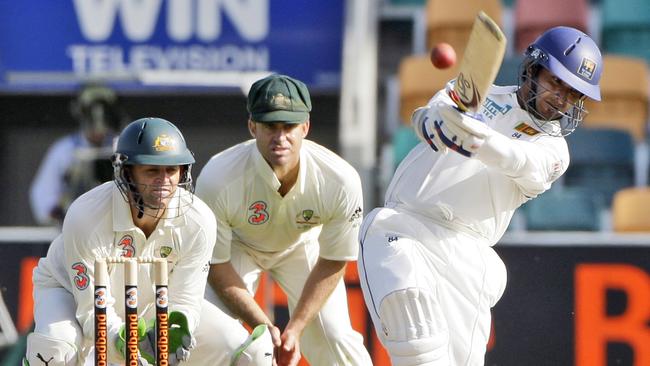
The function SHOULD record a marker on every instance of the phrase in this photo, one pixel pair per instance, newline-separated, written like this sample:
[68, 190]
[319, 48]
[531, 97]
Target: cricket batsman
[428, 271]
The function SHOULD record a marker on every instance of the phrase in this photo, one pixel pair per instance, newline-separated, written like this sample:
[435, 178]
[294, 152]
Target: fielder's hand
[289, 351]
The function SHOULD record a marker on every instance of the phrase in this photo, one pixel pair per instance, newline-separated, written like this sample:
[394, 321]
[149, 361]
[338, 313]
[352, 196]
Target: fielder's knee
[257, 350]
[46, 350]
[413, 327]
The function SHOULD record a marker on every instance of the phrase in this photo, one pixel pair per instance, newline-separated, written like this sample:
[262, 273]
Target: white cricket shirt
[465, 193]
[325, 204]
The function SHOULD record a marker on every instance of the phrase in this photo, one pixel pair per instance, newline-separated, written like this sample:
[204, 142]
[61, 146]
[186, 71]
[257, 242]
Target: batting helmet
[150, 141]
[574, 58]
[571, 56]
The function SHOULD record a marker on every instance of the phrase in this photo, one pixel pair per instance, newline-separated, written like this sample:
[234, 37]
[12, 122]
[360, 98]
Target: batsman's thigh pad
[46, 350]
[414, 329]
[257, 350]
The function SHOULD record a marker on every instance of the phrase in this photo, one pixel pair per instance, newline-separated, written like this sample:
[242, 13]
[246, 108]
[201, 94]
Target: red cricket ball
[443, 55]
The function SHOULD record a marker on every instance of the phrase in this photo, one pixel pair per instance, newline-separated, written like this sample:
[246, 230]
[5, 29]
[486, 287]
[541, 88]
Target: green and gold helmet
[151, 141]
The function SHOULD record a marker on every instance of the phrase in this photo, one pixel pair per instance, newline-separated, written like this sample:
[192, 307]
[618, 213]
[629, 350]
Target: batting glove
[461, 132]
[423, 120]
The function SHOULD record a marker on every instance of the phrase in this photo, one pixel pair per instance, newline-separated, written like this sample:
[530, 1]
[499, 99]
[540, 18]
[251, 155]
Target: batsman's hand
[461, 132]
[423, 122]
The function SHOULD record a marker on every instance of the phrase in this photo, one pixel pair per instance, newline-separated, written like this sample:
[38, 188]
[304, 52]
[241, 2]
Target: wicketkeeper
[148, 211]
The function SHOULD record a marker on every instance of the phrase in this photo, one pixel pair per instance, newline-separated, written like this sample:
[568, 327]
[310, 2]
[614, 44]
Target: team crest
[306, 219]
[164, 143]
[258, 213]
[307, 214]
[280, 101]
[165, 251]
[126, 244]
[587, 68]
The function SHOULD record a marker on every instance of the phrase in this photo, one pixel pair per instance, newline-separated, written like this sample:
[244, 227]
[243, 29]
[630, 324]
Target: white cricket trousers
[329, 339]
[216, 336]
[428, 289]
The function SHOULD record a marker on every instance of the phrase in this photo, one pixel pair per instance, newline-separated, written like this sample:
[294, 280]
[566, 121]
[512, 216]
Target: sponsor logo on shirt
[356, 215]
[491, 108]
[80, 279]
[258, 213]
[525, 128]
[126, 244]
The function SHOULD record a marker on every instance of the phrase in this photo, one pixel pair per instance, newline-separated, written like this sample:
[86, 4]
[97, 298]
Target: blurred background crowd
[603, 190]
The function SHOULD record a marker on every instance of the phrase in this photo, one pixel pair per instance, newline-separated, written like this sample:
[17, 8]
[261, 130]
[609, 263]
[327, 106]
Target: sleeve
[216, 201]
[51, 270]
[47, 186]
[338, 238]
[81, 249]
[189, 277]
[533, 165]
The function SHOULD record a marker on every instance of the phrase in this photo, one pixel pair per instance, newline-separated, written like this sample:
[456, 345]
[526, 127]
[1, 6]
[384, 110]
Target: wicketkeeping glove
[180, 340]
[120, 342]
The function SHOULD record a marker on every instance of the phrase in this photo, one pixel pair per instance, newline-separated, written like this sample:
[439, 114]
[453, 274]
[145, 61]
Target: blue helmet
[572, 56]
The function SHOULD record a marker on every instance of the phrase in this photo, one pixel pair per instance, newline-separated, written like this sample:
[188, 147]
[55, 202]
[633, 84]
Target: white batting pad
[414, 330]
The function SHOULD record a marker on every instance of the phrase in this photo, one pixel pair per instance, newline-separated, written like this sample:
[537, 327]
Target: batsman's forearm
[233, 293]
[319, 286]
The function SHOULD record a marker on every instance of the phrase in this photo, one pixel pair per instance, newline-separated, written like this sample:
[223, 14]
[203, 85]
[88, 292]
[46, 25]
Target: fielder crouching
[149, 210]
[428, 271]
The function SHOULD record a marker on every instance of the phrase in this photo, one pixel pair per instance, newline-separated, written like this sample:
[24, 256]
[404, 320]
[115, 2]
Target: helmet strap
[140, 206]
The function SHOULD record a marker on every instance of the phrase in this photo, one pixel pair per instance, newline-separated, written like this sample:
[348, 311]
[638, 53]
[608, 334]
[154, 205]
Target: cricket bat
[480, 64]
